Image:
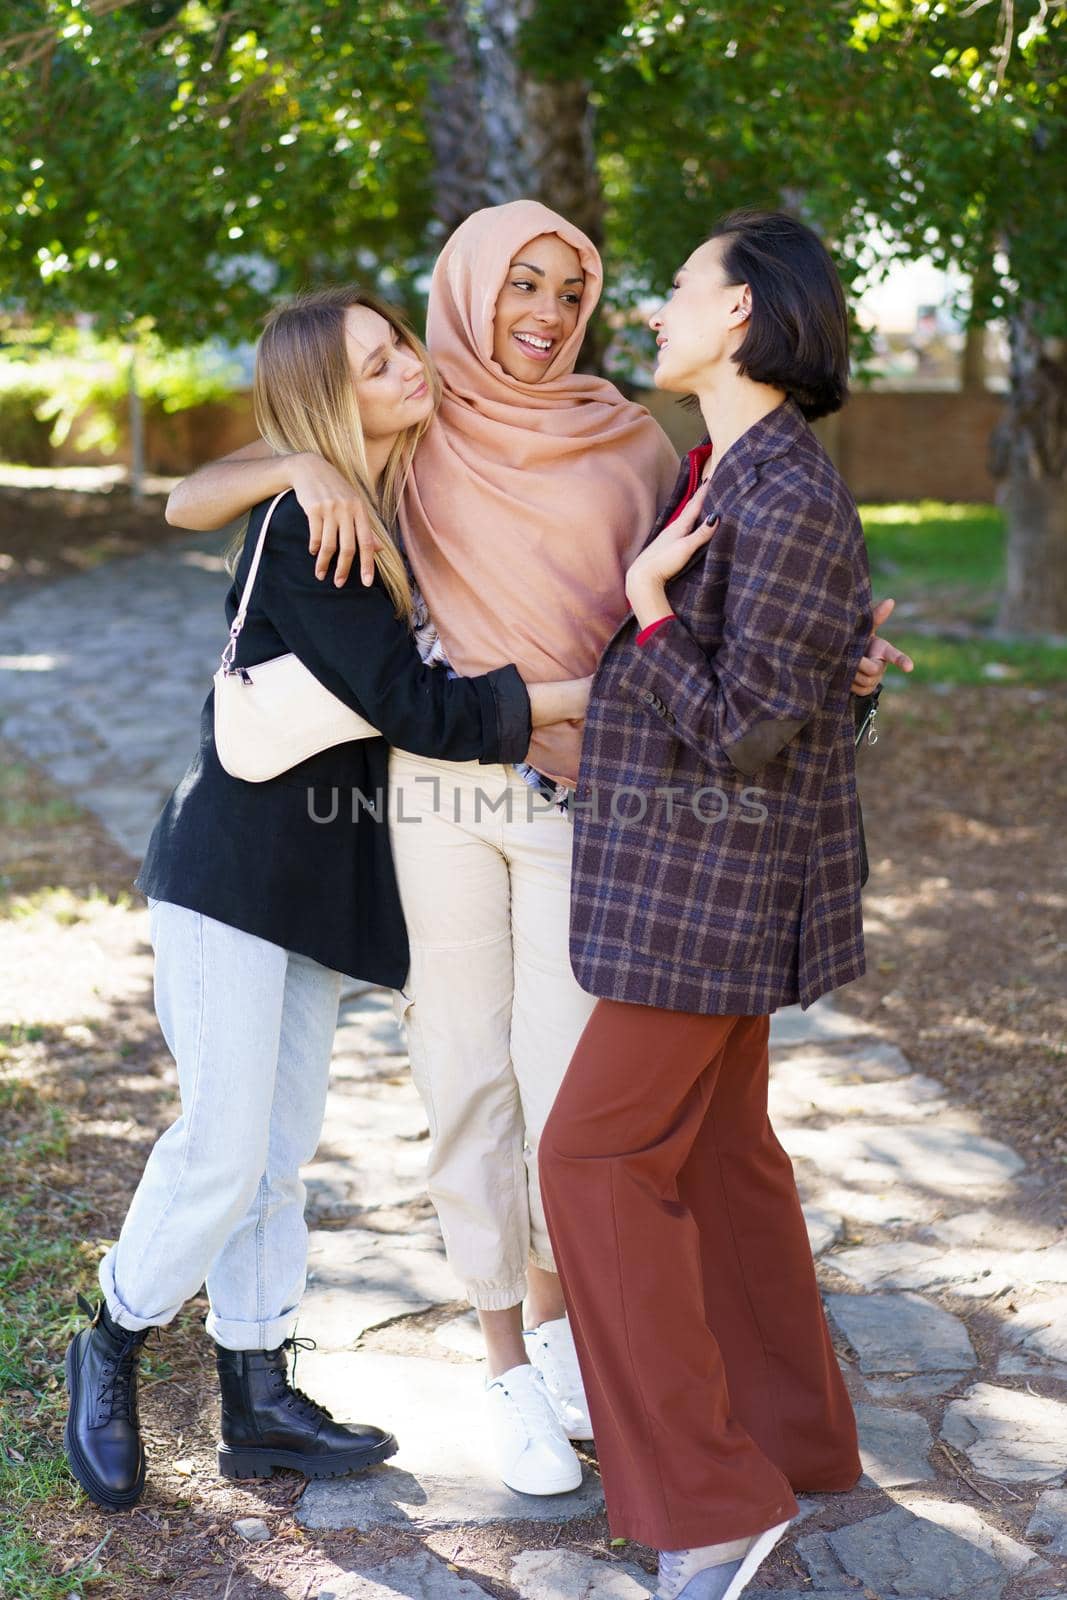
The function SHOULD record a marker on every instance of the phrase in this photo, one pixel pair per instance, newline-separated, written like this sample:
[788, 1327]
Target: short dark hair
[798, 335]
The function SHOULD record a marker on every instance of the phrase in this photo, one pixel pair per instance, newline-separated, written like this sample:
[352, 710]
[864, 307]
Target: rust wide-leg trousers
[713, 1387]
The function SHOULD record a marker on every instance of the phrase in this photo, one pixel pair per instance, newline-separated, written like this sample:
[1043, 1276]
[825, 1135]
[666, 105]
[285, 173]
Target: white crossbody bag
[271, 717]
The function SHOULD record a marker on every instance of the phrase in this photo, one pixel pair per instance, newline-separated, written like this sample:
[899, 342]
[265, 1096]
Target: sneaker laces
[671, 1565]
[561, 1359]
[530, 1401]
[675, 1569]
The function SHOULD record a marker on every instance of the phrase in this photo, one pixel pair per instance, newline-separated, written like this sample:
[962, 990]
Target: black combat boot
[102, 1437]
[266, 1423]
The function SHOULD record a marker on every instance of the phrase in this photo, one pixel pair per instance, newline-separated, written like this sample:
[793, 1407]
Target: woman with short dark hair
[716, 876]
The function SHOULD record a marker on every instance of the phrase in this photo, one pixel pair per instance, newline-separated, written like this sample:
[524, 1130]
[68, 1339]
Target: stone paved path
[102, 676]
[947, 1294]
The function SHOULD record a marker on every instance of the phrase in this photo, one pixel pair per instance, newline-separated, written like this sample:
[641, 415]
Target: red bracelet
[646, 633]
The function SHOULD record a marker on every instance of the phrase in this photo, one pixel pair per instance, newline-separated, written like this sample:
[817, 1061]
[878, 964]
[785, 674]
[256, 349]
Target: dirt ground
[48, 533]
[965, 913]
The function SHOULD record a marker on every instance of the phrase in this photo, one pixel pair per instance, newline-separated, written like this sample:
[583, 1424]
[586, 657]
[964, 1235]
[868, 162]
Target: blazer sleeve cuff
[505, 706]
[653, 627]
[672, 677]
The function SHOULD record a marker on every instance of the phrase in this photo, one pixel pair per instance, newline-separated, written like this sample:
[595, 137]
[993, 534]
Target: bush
[51, 377]
[25, 435]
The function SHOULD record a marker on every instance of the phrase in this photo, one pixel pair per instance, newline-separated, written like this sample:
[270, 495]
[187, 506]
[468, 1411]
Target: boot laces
[118, 1371]
[283, 1385]
[116, 1382]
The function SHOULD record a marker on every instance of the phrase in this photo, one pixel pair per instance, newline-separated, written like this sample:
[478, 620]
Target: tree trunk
[972, 359]
[136, 416]
[560, 131]
[455, 123]
[1029, 453]
[498, 133]
[983, 309]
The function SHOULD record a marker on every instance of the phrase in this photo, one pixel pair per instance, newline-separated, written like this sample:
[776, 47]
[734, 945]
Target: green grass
[64, 906]
[943, 660]
[13, 1093]
[948, 561]
[26, 1573]
[19, 811]
[927, 546]
[41, 1269]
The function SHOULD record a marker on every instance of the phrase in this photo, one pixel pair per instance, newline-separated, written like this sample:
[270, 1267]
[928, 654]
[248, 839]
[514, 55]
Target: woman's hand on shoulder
[338, 521]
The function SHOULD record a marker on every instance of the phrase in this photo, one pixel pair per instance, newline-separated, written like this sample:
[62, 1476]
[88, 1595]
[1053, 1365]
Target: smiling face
[537, 309]
[388, 376]
[702, 323]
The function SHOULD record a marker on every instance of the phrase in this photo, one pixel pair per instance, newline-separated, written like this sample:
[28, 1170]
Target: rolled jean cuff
[268, 1335]
[118, 1311]
[484, 1297]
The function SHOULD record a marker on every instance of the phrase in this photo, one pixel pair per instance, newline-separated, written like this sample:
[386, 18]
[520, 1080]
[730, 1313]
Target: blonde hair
[305, 400]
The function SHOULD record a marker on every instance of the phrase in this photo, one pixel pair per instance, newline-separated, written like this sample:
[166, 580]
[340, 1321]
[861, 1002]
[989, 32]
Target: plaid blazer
[716, 827]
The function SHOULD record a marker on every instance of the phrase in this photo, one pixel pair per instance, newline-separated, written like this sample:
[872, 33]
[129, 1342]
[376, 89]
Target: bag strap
[229, 655]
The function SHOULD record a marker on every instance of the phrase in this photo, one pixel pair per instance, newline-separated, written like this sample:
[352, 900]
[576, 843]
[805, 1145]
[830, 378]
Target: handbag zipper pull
[229, 655]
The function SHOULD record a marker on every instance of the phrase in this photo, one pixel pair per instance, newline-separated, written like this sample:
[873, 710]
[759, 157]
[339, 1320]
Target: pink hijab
[527, 501]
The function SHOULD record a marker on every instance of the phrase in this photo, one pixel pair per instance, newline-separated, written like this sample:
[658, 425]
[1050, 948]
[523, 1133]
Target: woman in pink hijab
[523, 507]
[529, 497]
[522, 512]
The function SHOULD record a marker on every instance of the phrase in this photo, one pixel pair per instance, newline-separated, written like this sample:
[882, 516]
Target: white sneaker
[685, 1575]
[533, 1453]
[551, 1349]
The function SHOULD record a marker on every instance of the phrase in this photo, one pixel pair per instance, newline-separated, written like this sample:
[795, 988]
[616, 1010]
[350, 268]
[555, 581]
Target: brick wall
[890, 444]
[176, 441]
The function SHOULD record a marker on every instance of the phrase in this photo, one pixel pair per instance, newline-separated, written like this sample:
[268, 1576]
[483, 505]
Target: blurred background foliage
[186, 162]
[172, 166]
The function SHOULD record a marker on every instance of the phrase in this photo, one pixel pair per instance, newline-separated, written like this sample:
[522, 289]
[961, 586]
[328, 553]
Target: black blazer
[304, 860]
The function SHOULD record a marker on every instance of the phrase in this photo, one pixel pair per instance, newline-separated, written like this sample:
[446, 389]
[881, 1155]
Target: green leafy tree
[185, 161]
[156, 155]
[972, 175]
[175, 166]
[943, 125]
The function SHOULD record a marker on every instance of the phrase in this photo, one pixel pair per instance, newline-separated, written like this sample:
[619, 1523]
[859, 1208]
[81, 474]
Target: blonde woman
[261, 896]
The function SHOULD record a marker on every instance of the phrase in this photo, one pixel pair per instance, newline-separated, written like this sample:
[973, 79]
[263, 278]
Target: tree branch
[39, 41]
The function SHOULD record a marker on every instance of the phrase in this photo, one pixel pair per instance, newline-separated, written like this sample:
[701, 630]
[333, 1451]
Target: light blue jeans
[251, 1028]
